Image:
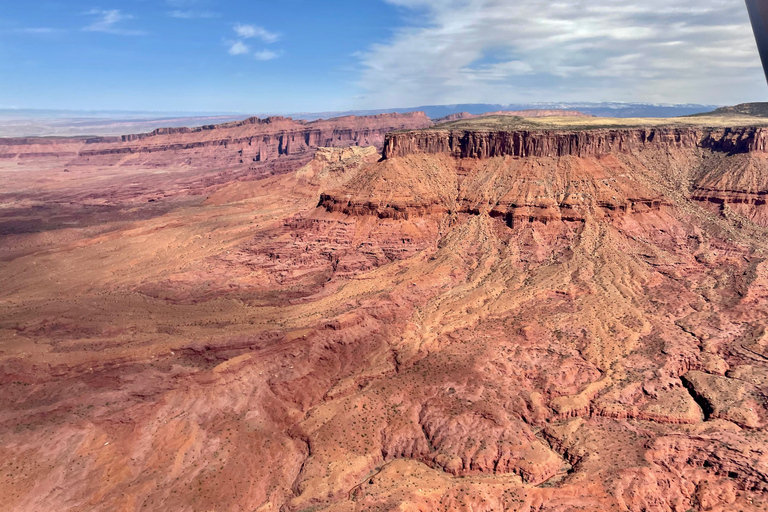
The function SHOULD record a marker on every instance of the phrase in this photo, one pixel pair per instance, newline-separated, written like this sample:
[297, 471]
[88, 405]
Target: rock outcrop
[516, 113]
[141, 176]
[582, 143]
[249, 143]
[259, 140]
[515, 190]
[734, 176]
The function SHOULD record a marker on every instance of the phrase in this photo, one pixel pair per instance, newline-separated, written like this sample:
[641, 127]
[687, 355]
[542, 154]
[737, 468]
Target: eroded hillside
[550, 320]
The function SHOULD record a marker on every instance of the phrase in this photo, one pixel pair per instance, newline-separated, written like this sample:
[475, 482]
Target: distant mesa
[515, 113]
[744, 109]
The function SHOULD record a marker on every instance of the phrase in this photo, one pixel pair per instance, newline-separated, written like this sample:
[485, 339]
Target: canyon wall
[51, 182]
[583, 143]
[727, 168]
[266, 139]
[247, 142]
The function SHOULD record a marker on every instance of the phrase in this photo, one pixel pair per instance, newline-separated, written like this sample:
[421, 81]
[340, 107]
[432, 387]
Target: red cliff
[249, 142]
[581, 143]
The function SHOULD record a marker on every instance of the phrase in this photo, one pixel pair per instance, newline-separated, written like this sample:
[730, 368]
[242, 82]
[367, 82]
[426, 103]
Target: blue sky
[297, 55]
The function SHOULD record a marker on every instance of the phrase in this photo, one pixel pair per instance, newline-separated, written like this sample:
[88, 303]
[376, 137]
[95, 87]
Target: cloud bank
[505, 51]
[246, 32]
[192, 14]
[108, 21]
[251, 31]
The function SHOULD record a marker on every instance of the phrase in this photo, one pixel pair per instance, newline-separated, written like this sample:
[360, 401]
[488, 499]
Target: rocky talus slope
[549, 320]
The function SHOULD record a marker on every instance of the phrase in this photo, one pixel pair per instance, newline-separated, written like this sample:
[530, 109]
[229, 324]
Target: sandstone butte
[516, 113]
[488, 315]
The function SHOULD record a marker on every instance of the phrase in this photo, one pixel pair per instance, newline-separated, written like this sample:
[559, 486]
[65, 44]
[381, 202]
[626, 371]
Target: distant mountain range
[40, 122]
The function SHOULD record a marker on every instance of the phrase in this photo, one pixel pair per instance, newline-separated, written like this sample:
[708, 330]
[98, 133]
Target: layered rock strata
[82, 180]
[740, 184]
[582, 143]
[250, 141]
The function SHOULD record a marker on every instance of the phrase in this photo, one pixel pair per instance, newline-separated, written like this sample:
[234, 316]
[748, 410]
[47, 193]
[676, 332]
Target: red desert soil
[552, 320]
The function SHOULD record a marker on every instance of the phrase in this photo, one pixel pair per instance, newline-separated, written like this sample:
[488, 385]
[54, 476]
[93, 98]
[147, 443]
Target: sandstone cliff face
[739, 183]
[259, 140]
[515, 190]
[250, 143]
[585, 143]
[31, 147]
[593, 142]
[85, 180]
[735, 185]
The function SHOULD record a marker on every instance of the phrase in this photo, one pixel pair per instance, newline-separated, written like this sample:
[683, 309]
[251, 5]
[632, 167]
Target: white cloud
[266, 55]
[251, 31]
[238, 48]
[244, 32]
[504, 51]
[192, 14]
[107, 20]
[36, 30]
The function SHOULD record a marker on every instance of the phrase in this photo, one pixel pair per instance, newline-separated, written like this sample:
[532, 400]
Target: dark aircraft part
[758, 14]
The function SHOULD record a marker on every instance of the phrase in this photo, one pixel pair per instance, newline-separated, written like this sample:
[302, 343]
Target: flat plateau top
[504, 123]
